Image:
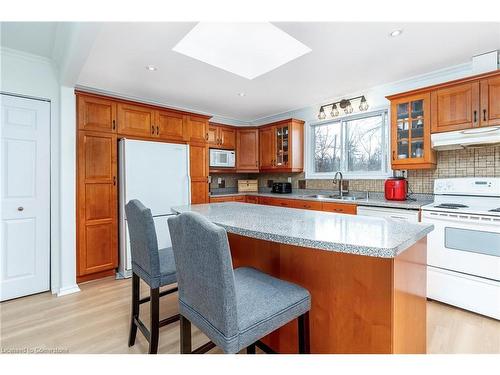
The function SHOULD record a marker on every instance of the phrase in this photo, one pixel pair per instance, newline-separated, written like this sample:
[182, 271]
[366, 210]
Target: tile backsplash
[472, 162]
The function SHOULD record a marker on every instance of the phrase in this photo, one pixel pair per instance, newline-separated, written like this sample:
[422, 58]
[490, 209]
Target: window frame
[386, 142]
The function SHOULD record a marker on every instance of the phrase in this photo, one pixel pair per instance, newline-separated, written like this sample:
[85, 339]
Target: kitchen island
[366, 275]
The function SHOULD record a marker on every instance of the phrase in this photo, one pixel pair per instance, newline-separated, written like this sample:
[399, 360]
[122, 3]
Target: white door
[25, 197]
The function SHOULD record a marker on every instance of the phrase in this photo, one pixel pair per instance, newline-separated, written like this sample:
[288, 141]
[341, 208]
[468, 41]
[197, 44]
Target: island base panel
[360, 304]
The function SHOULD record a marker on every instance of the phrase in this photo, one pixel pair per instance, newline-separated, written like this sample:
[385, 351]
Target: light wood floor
[96, 320]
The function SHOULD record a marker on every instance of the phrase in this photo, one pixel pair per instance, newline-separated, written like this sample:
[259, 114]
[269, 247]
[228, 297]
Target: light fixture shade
[363, 106]
[322, 114]
[335, 111]
[348, 109]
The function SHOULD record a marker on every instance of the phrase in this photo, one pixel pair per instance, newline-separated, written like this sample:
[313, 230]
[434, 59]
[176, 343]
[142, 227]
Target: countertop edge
[377, 252]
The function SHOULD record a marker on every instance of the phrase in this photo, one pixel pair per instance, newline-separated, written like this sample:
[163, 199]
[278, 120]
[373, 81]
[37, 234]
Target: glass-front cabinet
[282, 137]
[281, 146]
[411, 133]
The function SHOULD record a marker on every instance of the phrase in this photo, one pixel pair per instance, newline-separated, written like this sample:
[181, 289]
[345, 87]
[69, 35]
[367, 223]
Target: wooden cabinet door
[247, 150]
[340, 208]
[213, 135]
[266, 148]
[96, 114]
[490, 101]
[97, 203]
[455, 107]
[169, 125]
[227, 138]
[136, 120]
[197, 129]
[198, 164]
[252, 199]
[307, 205]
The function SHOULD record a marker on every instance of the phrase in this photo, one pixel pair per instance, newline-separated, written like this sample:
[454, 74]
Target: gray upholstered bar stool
[234, 308]
[155, 266]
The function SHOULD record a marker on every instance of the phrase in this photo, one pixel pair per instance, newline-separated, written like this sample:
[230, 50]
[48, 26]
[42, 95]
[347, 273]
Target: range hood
[466, 138]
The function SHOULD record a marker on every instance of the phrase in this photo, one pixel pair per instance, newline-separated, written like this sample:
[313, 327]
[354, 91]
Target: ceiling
[345, 58]
[37, 38]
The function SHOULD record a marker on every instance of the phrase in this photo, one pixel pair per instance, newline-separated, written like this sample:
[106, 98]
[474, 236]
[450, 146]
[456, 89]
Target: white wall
[34, 76]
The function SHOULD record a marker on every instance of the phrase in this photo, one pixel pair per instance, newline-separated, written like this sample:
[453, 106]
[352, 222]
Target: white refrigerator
[157, 174]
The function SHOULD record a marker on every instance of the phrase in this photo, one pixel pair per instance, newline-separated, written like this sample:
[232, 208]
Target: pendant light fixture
[345, 104]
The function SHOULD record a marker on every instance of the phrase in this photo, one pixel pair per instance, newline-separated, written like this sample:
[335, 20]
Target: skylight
[246, 49]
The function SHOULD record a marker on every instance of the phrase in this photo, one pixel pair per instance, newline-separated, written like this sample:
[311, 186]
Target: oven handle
[447, 219]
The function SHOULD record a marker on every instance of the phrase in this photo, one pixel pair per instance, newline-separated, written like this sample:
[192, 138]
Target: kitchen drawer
[340, 208]
[239, 198]
[252, 199]
[221, 199]
[307, 205]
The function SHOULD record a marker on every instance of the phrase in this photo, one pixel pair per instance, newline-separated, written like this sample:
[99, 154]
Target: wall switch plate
[219, 180]
[289, 179]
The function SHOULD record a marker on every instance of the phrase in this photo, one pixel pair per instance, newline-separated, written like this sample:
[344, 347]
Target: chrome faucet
[336, 180]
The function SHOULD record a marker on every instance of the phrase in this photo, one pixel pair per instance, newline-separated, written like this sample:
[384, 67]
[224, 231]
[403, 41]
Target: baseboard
[68, 290]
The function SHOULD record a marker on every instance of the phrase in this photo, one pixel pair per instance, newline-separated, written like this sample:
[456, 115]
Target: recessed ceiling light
[248, 49]
[151, 68]
[241, 94]
[396, 33]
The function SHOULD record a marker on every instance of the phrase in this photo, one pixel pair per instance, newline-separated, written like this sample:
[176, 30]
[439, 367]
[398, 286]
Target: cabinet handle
[20, 208]
[152, 129]
[484, 114]
[114, 124]
[114, 180]
[475, 116]
[393, 155]
[256, 164]
[206, 136]
[157, 130]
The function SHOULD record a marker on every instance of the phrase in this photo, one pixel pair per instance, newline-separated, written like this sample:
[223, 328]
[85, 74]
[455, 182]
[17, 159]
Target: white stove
[463, 251]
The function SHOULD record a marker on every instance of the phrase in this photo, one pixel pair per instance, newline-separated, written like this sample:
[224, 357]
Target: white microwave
[222, 158]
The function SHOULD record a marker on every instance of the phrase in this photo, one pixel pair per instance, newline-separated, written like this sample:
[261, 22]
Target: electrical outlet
[219, 180]
[289, 179]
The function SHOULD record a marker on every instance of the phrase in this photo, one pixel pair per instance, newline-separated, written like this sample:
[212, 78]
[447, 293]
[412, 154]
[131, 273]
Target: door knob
[20, 208]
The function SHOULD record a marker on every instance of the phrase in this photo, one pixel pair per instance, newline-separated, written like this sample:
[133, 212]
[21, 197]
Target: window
[355, 145]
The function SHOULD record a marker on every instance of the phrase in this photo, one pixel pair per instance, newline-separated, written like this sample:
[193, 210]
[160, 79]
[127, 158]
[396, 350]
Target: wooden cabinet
[197, 129]
[198, 164]
[343, 208]
[230, 198]
[96, 114]
[455, 107]
[411, 132]
[266, 148]
[252, 199]
[213, 135]
[490, 101]
[339, 208]
[97, 200]
[221, 136]
[247, 150]
[282, 146]
[101, 121]
[136, 120]
[170, 126]
[307, 205]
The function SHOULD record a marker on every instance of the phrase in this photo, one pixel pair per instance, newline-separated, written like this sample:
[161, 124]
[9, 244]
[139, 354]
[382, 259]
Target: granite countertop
[362, 235]
[374, 201]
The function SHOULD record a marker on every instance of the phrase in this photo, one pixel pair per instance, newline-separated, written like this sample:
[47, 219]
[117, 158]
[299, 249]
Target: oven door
[464, 243]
